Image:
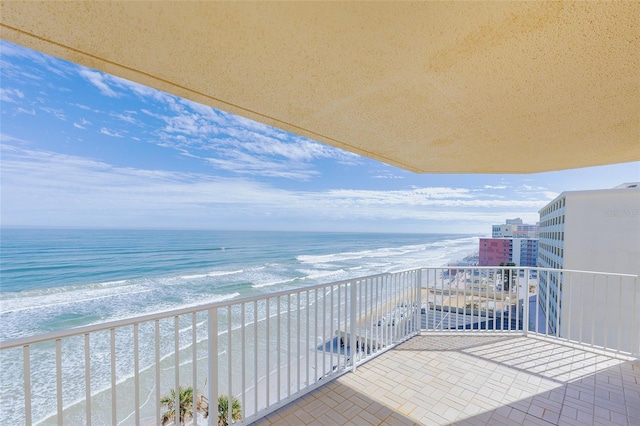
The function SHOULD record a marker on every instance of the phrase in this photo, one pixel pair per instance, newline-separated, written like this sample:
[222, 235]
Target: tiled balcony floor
[476, 380]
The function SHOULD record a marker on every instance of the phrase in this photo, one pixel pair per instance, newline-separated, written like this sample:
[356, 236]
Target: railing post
[352, 345]
[635, 349]
[212, 378]
[525, 304]
[176, 334]
[27, 383]
[419, 301]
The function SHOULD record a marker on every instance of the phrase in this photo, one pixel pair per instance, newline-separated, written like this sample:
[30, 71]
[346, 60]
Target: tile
[474, 380]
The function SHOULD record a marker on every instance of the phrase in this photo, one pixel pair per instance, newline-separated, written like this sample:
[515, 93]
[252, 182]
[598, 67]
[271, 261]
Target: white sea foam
[270, 283]
[212, 274]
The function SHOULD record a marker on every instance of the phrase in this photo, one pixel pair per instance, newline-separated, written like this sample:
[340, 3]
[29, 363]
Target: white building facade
[598, 231]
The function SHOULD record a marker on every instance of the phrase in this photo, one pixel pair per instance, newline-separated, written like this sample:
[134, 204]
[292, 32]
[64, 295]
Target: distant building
[511, 242]
[521, 251]
[595, 230]
[493, 251]
[514, 228]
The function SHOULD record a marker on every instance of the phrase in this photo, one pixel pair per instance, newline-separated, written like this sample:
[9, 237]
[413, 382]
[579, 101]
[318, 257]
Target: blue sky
[82, 148]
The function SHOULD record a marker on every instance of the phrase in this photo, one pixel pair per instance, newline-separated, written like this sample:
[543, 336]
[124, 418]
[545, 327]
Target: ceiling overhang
[432, 87]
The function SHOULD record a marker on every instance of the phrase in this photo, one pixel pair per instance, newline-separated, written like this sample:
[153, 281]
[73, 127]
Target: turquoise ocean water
[57, 279]
[52, 279]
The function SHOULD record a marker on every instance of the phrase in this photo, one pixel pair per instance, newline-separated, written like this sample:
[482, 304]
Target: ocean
[54, 279]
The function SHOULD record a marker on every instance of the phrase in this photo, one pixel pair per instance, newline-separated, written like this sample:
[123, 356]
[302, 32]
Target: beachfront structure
[596, 230]
[494, 251]
[437, 87]
[515, 228]
[520, 251]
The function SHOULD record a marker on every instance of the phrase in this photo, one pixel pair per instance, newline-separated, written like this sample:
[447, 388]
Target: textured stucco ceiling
[440, 87]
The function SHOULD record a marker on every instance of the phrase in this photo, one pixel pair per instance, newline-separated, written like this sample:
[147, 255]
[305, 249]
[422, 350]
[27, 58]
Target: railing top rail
[78, 331]
[535, 268]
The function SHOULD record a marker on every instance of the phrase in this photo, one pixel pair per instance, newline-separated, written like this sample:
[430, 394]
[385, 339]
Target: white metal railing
[265, 351]
[598, 310]
[268, 350]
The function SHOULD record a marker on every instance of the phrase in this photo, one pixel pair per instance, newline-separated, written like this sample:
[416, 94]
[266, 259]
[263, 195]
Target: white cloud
[98, 79]
[10, 95]
[108, 132]
[86, 108]
[127, 118]
[56, 189]
[26, 111]
[57, 113]
[245, 164]
[82, 124]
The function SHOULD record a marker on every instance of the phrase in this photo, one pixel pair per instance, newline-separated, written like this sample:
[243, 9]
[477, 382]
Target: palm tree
[186, 402]
[223, 410]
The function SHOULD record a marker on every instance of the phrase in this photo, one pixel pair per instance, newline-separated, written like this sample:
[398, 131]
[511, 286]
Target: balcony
[427, 346]
[477, 379]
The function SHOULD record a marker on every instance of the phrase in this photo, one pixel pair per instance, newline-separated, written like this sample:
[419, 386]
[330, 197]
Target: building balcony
[426, 346]
[479, 379]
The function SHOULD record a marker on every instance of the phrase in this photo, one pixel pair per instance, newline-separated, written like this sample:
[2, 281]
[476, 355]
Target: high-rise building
[514, 228]
[511, 242]
[597, 230]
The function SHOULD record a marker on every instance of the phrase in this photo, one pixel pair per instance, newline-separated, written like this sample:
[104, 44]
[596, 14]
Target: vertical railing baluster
[332, 342]
[324, 330]
[59, 380]
[212, 361]
[114, 414]
[593, 310]
[379, 313]
[486, 306]
[339, 325]
[288, 345]
[278, 349]
[243, 356]
[268, 352]
[457, 292]
[440, 324]
[384, 308]
[157, 368]
[508, 296]
[87, 379]
[26, 365]
[194, 354]
[525, 304]
[558, 300]
[367, 323]
[606, 313]
[299, 337]
[464, 302]
[229, 364]
[255, 356]
[308, 345]
[419, 300]
[410, 289]
[547, 313]
[352, 337]
[136, 373]
[635, 345]
[315, 337]
[434, 292]
[619, 325]
[176, 371]
[567, 317]
[581, 303]
[495, 301]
